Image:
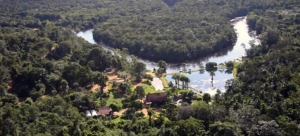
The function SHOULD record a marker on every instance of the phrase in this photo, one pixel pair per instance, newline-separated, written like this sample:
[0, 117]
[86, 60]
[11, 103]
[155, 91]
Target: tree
[182, 79]
[170, 111]
[217, 97]
[171, 84]
[84, 76]
[206, 97]
[4, 74]
[100, 79]
[176, 78]
[125, 87]
[140, 92]
[212, 74]
[64, 87]
[211, 66]
[3, 90]
[229, 65]
[62, 50]
[202, 111]
[265, 128]
[150, 112]
[225, 129]
[184, 113]
[190, 127]
[187, 81]
[9, 98]
[136, 105]
[163, 65]
[139, 69]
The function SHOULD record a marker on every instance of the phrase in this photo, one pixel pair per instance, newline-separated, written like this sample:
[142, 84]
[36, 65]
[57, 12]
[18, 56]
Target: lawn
[117, 120]
[234, 71]
[164, 81]
[149, 89]
[112, 100]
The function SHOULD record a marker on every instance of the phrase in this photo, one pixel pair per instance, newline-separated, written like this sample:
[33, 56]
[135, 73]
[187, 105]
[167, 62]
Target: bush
[139, 114]
[148, 77]
[136, 105]
[211, 66]
[229, 64]
[114, 107]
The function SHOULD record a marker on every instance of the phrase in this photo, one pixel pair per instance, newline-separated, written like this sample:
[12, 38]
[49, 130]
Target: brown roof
[104, 111]
[156, 97]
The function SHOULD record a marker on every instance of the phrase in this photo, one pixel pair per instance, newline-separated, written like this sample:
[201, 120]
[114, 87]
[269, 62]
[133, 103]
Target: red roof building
[104, 111]
[156, 98]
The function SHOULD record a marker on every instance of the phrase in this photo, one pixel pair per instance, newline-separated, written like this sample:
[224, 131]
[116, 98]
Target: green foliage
[158, 32]
[149, 89]
[190, 127]
[113, 100]
[225, 129]
[230, 65]
[140, 92]
[39, 54]
[211, 66]
[206, 97]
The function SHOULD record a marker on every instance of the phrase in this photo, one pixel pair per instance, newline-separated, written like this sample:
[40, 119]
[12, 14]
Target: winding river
[202, 81]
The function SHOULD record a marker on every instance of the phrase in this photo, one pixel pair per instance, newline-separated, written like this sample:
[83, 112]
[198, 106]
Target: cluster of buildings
[154, 99]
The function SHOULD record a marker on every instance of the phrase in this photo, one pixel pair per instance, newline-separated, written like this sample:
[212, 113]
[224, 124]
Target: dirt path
[145, 111]
[45, 96]
[135, 84]
[120, 113]
[151, 73]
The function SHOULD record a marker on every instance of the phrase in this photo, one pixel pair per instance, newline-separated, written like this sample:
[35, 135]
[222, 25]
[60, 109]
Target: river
[202, 81]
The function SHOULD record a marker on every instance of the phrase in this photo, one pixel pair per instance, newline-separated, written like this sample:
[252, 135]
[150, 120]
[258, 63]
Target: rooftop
[105, 110]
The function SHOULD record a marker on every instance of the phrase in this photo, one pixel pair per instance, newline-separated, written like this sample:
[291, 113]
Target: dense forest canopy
[46, 72]
[188, 29]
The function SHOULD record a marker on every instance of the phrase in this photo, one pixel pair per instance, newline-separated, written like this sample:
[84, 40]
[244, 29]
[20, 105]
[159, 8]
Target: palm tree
[176, 78]
[212, 74]
[187, 81]
[182, 79]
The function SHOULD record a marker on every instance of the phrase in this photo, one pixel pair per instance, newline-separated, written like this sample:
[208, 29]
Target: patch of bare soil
[119, 113]
[96, 87]
[151, 73]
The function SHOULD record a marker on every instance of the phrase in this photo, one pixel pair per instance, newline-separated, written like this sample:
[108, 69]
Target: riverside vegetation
[43, 62]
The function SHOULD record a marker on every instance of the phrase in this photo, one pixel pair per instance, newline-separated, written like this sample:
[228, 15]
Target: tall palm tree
[182, 79]
[212, 74]
[187, 81]
[176, 78]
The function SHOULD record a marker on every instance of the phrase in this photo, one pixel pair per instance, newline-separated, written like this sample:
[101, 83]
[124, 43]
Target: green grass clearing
[164, 81]
[112, 100]
[234, 71]
[117, 120]
[149, 89]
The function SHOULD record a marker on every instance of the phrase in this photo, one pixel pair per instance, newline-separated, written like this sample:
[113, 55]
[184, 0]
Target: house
[88, 113]
[156, 98]
[104, 111]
